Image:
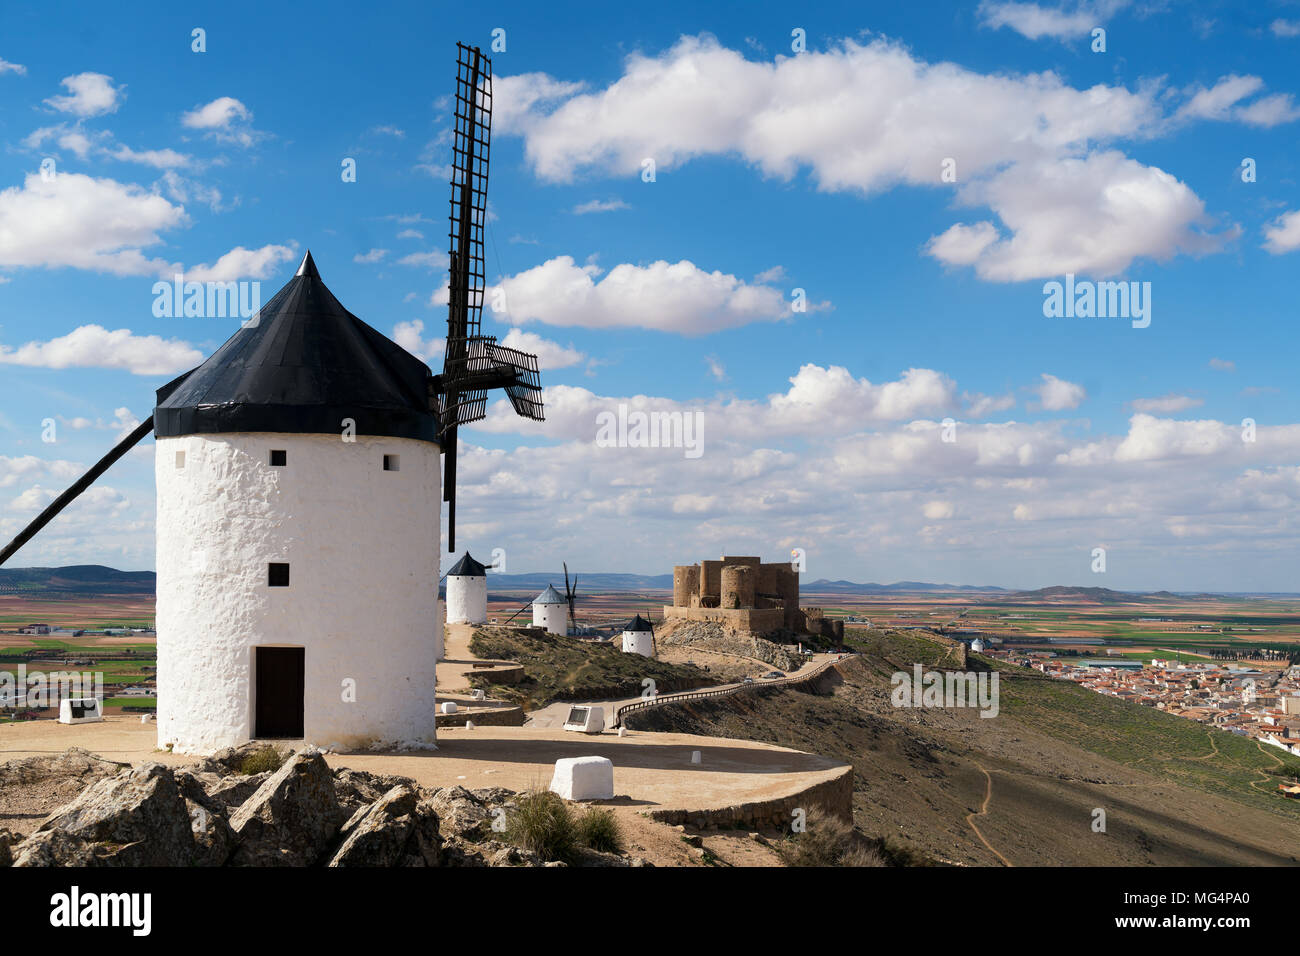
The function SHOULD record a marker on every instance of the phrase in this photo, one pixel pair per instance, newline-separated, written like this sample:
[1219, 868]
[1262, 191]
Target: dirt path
[983, 811]
[1266, 778]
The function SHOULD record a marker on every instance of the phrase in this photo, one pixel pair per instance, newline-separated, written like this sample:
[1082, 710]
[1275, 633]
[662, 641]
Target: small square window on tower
[278, 575]
[180, 459]
[392, 462]
[279, 458]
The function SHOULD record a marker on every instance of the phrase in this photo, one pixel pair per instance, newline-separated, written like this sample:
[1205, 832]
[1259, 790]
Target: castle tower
[638, 637]
[549, 611]
[297, 532]
[467, 592]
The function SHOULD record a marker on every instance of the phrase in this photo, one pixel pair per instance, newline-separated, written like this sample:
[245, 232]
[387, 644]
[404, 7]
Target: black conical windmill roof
[467, 567]
[303, 366]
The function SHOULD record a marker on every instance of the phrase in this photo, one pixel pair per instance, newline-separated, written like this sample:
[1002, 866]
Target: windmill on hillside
[267, 587]
[473, 363]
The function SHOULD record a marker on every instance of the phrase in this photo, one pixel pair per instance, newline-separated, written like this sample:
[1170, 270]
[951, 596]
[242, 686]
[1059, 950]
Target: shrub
[261, 760]
[829, 841]
[543, 824]
[599, 829]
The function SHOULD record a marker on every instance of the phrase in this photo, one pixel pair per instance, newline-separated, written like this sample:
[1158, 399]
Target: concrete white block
[584, 778]
[449, 707]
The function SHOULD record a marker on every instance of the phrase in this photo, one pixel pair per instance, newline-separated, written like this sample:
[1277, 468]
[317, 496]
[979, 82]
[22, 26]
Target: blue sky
[776, 170]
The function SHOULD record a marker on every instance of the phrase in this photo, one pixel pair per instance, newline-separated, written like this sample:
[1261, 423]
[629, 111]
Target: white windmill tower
[298, 479]
[549, 611]
[639, 637]
[467, 592]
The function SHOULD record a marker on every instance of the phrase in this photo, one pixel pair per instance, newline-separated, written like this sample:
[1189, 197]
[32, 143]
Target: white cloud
[1223, 365]
[1056, 394]
[226, 119]
[85, 223]
[981, 406]
[1130, 211]
[937, 510]
[1034, 21]
[1283, 234]
[89, 94]
[1222, 102]
[158, 158]
[1167, 404]
[865, 118]
[1285, 28]
[373, 256]
[409, 335]
[599, 205]
[550, 355]
[7, 67]
[671, 297]
[241, 263]
[93, 346]
[410, 234]
[435, 259]
[716, 368]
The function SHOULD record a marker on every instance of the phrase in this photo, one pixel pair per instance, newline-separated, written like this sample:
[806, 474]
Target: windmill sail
[474, 363]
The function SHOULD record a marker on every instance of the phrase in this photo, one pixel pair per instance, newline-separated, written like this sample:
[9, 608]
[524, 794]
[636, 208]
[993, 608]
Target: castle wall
[710, 583]
[737, 586]
[686, 584]
[745, 619]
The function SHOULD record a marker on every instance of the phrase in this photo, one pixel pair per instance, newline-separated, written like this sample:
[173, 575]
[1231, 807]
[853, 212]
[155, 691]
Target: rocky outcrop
[712, 636]
[398, 829]
[303, 814]
[292, 817]
[140, 814]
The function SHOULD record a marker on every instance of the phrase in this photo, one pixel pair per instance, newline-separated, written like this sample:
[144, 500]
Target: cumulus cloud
[410, 336]
[1131, 211]
[868, 117]
[435, 259]
[85, 223]
[1223, 102]
[7, 67]
[241, 263]
[93, 346]
[89, 94]
[225, 119]
[1056, 394]
[671, 297]
[1283, 234]
[550, 355]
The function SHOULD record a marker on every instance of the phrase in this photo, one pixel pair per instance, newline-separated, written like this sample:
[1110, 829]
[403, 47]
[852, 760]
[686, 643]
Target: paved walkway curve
[808, 672]
[983, 811]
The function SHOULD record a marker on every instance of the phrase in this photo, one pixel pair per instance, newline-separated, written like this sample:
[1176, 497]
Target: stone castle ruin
[745, 594]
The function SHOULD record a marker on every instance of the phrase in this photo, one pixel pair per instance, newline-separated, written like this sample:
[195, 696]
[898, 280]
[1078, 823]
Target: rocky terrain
[226, 811]
[712, 636]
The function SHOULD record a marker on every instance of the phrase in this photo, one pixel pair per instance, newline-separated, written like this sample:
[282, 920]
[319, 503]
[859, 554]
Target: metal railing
[649, 702]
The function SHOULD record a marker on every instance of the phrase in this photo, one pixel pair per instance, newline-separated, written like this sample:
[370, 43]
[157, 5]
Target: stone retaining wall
[835, 796]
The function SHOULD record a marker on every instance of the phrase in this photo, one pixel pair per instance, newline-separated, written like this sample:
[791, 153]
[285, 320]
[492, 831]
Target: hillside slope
[1021, 788]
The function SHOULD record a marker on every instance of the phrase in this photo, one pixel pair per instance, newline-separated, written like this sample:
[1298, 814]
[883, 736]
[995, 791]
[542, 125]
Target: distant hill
[587, 583]
[823, 586]
[76, 579]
